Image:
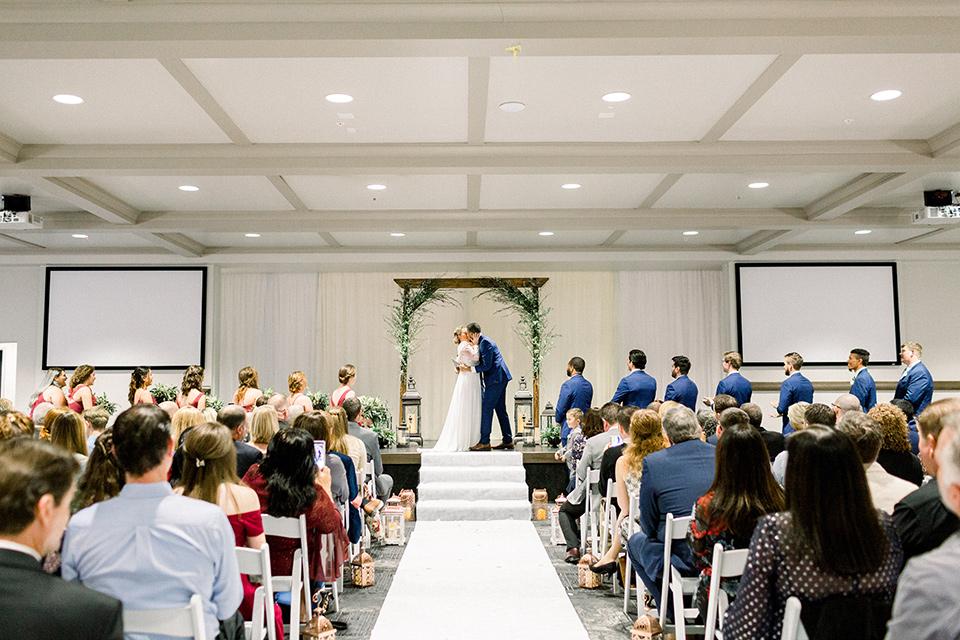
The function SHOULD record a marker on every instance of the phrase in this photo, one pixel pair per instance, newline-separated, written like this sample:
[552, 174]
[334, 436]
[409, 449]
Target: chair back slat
[184, 622]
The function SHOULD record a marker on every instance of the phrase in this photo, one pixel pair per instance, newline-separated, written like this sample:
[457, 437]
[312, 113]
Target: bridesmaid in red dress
[50, 390]
[140, 379]
[249, 389]
[297, 384]
[81, 396]
[191, 394]
[210, 474]
[347, 376]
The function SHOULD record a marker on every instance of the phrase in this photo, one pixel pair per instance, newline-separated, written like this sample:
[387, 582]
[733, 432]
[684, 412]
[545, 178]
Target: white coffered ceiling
[229, 97]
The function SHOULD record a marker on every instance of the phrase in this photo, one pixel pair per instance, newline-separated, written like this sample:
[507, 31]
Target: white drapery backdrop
[282, 322]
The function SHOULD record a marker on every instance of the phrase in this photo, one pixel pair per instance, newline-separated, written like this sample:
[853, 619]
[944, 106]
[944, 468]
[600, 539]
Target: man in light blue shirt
[149, 547]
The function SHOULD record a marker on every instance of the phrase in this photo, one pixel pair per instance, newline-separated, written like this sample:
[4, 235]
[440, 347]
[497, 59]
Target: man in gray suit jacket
[575, 506]
[369, 438]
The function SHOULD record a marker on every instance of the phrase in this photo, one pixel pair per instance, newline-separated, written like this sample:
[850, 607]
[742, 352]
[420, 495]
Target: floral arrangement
[377, 411]
[214, 403]
[551, 434]
[103, 401]
[319, 399]
[408, 314]
[533, 329]
[164, 392]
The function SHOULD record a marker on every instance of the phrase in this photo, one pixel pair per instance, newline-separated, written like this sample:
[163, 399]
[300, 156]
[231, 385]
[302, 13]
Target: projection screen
[820, 310]
[123, 317]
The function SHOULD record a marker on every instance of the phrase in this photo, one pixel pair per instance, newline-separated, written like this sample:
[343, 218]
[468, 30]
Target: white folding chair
[298, 582]
[792, 627]
[675, 529]
[632, 510]
[589, 527]
[184, 622]
[609, 516]
[256, 562]
[726, 564]
[681, 612]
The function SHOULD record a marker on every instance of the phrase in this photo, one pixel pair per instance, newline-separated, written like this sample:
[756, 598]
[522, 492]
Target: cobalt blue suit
[684, 391]
[638, 388]
[794, 389]
[737, 386]
[575, 393]
[916, 387]
[671, 481]
[865, 389]
[494, 375]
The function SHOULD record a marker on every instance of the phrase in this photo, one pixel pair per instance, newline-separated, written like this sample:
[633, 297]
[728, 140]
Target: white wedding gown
[461, 429]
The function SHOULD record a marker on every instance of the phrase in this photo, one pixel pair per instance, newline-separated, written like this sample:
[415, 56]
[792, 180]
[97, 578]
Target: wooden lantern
[556, 535]
[646, 628]
[539, 504]
[394, 526]
[409, 503]
[362, 566]
[586, 578]
[325, 630]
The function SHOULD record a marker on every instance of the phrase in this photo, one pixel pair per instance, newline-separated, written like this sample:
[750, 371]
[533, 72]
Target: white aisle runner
[465, 580]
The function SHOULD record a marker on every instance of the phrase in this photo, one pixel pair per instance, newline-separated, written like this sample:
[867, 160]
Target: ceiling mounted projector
[15, 213]
[939, 207]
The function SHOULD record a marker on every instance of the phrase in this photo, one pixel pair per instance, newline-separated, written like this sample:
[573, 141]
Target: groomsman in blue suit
[638, 388]
[863, 387]
[733, 384]
[796, 388]
[575, 393]
[916, 383]
[494, 376]
[682, 389]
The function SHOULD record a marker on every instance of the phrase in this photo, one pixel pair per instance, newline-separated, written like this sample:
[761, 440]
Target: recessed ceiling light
[66, 98]
[546, 233]
[339, 98]
[376, 187]
[512, 107]
[691, 233]
[81, 236]
[189, 187]
[758, 185]
[570, 185]
[886, 94]
[397, 235]
[252, 235]
[863, 232]
[616, 96]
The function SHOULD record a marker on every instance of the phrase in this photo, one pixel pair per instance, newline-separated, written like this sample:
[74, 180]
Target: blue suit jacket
[794, 389]
[916, 388]
[671, 481]
[492, 367]
[575, 393]
[684, 391]
[865, 389]
[639, 389]
[737, 386]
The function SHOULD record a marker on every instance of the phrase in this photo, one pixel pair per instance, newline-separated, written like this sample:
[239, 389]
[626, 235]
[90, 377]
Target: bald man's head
[846, 402]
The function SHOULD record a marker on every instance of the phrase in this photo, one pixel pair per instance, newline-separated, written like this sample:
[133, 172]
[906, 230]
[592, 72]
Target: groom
[495, 376]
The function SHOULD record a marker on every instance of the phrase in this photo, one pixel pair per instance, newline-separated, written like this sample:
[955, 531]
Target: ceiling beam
[175, 242]
[9, 149]
[20, 241]
[176, 68]
[765, 240]
[754, 92]
[660, 190]
[872, 156]
[478, 84]
[90, 197]
[287, 192]
[859, 191]
[329, 239]
[928, 234]
[613, 237]
[946, 143]
[471, 239]
[474, 183]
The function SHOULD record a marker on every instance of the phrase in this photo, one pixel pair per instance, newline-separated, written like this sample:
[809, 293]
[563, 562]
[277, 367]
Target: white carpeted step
[473, 510]
[472, 491]
[472, 474]
[471, 459]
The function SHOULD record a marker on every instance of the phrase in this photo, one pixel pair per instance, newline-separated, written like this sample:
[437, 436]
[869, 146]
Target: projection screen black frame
[170, 367]
[896, 307]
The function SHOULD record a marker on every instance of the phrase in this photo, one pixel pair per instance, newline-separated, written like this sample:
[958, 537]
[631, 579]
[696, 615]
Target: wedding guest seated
[608, 464]
[170, 407]
[316, 424]
[69, 431]
[293, 413]
[773, 439]
[210, 474]
[927, 599]
[742, 492]
[708, 422]
[922, 520]
[288, 484]
[845, 403]
[912, 433]
[895, 454]
[281, 405]
[354, 412]
[795, 414]
[48, 419]
[209, 414]
[103, 478]
[14, 424]
[262, 427]
[885, 489]
[96, 421]
[36, 482]
[829, 542]
[671, 482]
[149, 547]
[182, 421]
[6, 404]
[351, 452]
[249, 390]
[348, 445]
[235, 419]
[191, 392]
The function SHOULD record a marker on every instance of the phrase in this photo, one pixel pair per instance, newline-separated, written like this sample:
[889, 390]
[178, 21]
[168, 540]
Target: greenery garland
[164, 392]
[533, 329]
[104, 402]
[408, 314]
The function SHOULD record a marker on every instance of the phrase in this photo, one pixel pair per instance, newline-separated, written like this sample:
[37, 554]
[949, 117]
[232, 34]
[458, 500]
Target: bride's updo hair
[457, 333]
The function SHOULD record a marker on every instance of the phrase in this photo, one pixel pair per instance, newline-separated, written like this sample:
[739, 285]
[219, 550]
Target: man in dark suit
[494, 376]
[773, 440]
[916, 383]
[36, 480]
[235, 419]
[575, 393]
[671, 481]
[682, 389]
[638, 388]
[796, 388]
[733, 384]
[721, 403]
[863, 387]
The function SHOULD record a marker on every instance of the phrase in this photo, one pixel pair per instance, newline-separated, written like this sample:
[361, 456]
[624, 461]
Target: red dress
[322, 518]
[39, 401]
[76, 405]
[250, 525]
[338, 400]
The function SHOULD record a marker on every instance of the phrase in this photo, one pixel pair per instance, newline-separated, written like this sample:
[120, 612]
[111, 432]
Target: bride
[462, 427]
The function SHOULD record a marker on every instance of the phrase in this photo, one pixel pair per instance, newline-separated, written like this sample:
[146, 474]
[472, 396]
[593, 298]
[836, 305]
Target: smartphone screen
[320, 453]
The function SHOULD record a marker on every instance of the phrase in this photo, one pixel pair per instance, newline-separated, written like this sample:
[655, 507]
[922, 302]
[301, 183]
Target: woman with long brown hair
[103, 478]
[80, 397]
[249, 389]
[348, 445]
[69, 431]
[191, 393]
[140, 379]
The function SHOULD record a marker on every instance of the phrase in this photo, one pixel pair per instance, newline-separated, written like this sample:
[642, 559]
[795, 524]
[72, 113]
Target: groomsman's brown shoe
[508, 446]
[481, 447]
